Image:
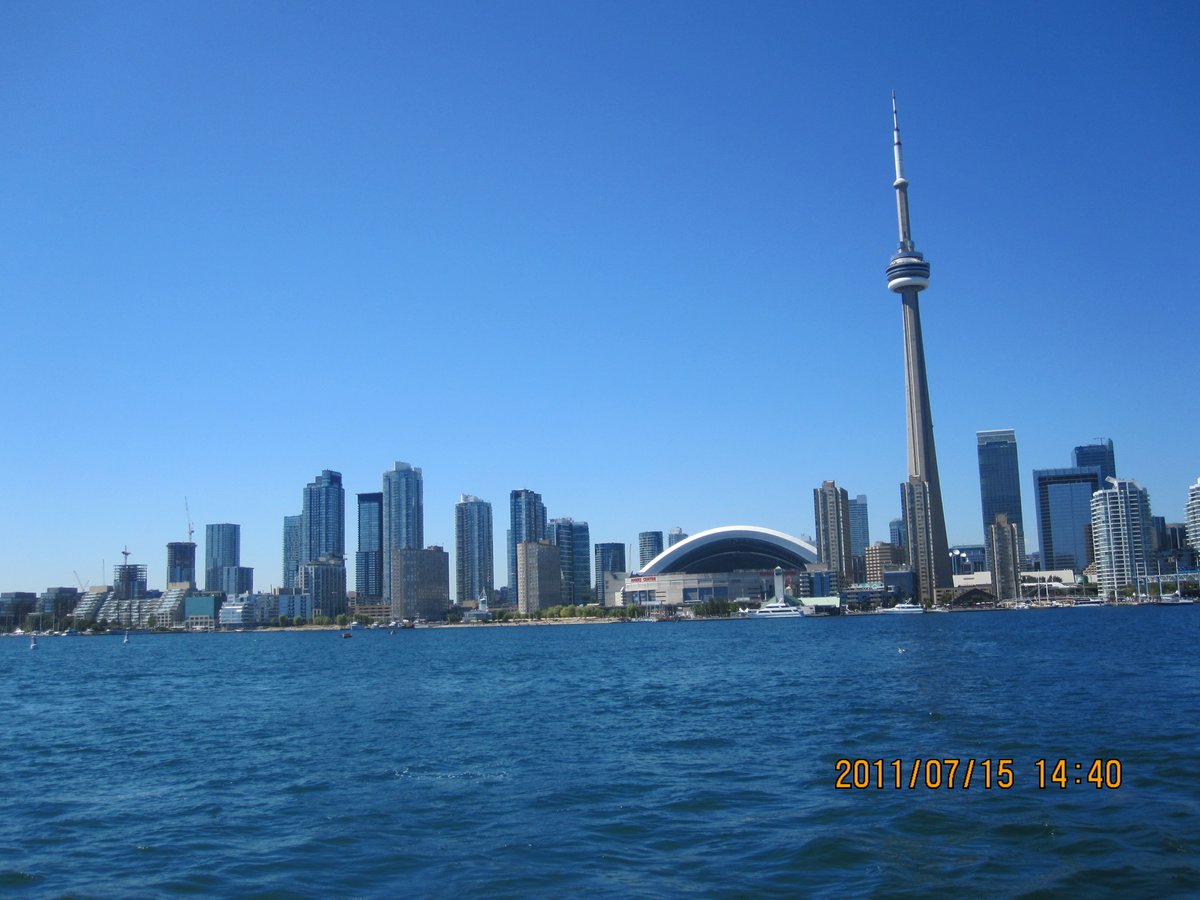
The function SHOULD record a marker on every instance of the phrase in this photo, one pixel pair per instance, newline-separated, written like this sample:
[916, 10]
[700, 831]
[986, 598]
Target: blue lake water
[619, 760]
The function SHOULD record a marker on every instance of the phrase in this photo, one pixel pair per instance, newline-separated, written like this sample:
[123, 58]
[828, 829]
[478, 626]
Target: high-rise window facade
[527, 523]
[1000, 485]
[1006, 570]
[181, 563]
[610, 558]
[1192, 516]
[368, 560]
[293, 549]
[860, 530]
[916, 510]
[323, 525]
[896, 536]
[1064, 515]
[474, 572]
[650, 544]
[573, 540]
[831, 514]
[403, 515]
[222, 547]
[1100, 455]
[1120, 534]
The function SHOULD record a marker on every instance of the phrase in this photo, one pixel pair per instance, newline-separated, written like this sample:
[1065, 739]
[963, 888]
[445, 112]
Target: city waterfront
[624, 761]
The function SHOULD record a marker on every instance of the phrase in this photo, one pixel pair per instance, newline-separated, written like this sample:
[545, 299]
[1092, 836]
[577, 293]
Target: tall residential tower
[473, 569]
[403, 516]
[527, 523]
[368, 560]
[907, 275]
[222, 547]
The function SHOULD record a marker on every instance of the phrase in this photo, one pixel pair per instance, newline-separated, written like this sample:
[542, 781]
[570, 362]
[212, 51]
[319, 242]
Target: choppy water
[619, 760]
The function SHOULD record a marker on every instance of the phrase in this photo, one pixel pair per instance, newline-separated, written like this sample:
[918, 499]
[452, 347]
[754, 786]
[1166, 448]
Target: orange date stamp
[958, 773]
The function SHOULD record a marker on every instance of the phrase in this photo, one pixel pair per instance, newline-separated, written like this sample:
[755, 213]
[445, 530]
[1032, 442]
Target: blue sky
[629, 255]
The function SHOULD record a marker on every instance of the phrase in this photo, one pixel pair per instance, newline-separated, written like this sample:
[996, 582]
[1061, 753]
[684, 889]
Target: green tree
[343, 620]
[284, 621]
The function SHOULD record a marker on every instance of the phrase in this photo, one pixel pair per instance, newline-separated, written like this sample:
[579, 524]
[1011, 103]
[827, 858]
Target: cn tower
[907, 275]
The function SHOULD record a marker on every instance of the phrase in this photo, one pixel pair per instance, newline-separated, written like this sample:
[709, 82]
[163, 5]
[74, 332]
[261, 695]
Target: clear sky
[627, 254]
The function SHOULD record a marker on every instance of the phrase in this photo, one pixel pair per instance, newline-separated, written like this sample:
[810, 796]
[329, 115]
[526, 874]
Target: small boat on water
[774, 609]
[1175, 600]
[901, 608]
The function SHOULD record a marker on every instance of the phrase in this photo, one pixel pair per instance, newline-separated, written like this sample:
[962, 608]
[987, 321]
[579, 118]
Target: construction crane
[187, 510]
[79, 581]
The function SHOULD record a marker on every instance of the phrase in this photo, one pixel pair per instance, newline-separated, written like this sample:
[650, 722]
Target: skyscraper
[878, 558]
[831, 513]
[368, 559]
[181, 563]
[908, 274]
[574, 544]
[539, 576]
[923, 556]
[473, 567]
[860, 530]
[1064, 515]
[323, 521]
[1101, 456]
[324, 581]
[403, 515]
[1000, 486]
[527, 522]
[237, 580]
[897, 537]
[650, 544]
[1004, 539]
[293, 549]
[610, 558]
[1120, 534]
[421, 583]
[675, 535]
[222, 547]
[1192, 516]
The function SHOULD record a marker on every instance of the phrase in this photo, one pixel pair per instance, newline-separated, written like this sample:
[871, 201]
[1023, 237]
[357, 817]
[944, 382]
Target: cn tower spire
[908, 274]
[900, 184]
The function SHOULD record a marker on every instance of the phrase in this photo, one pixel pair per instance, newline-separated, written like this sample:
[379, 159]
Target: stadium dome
[733, 548]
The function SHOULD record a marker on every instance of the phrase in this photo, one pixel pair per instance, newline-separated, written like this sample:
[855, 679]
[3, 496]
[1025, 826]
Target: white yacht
[1175, 599]
[775, 609]
[904, 608]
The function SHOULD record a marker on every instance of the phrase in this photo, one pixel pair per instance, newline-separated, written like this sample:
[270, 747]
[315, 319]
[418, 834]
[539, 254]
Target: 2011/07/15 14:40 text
[952, 772]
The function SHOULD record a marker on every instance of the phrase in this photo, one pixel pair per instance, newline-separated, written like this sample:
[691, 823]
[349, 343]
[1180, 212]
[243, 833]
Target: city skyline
[488, 184]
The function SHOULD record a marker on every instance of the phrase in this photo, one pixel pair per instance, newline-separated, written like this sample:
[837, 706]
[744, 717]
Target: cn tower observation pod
[733, 548]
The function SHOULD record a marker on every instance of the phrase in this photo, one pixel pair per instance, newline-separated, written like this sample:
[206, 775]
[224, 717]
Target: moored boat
[901, 608]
